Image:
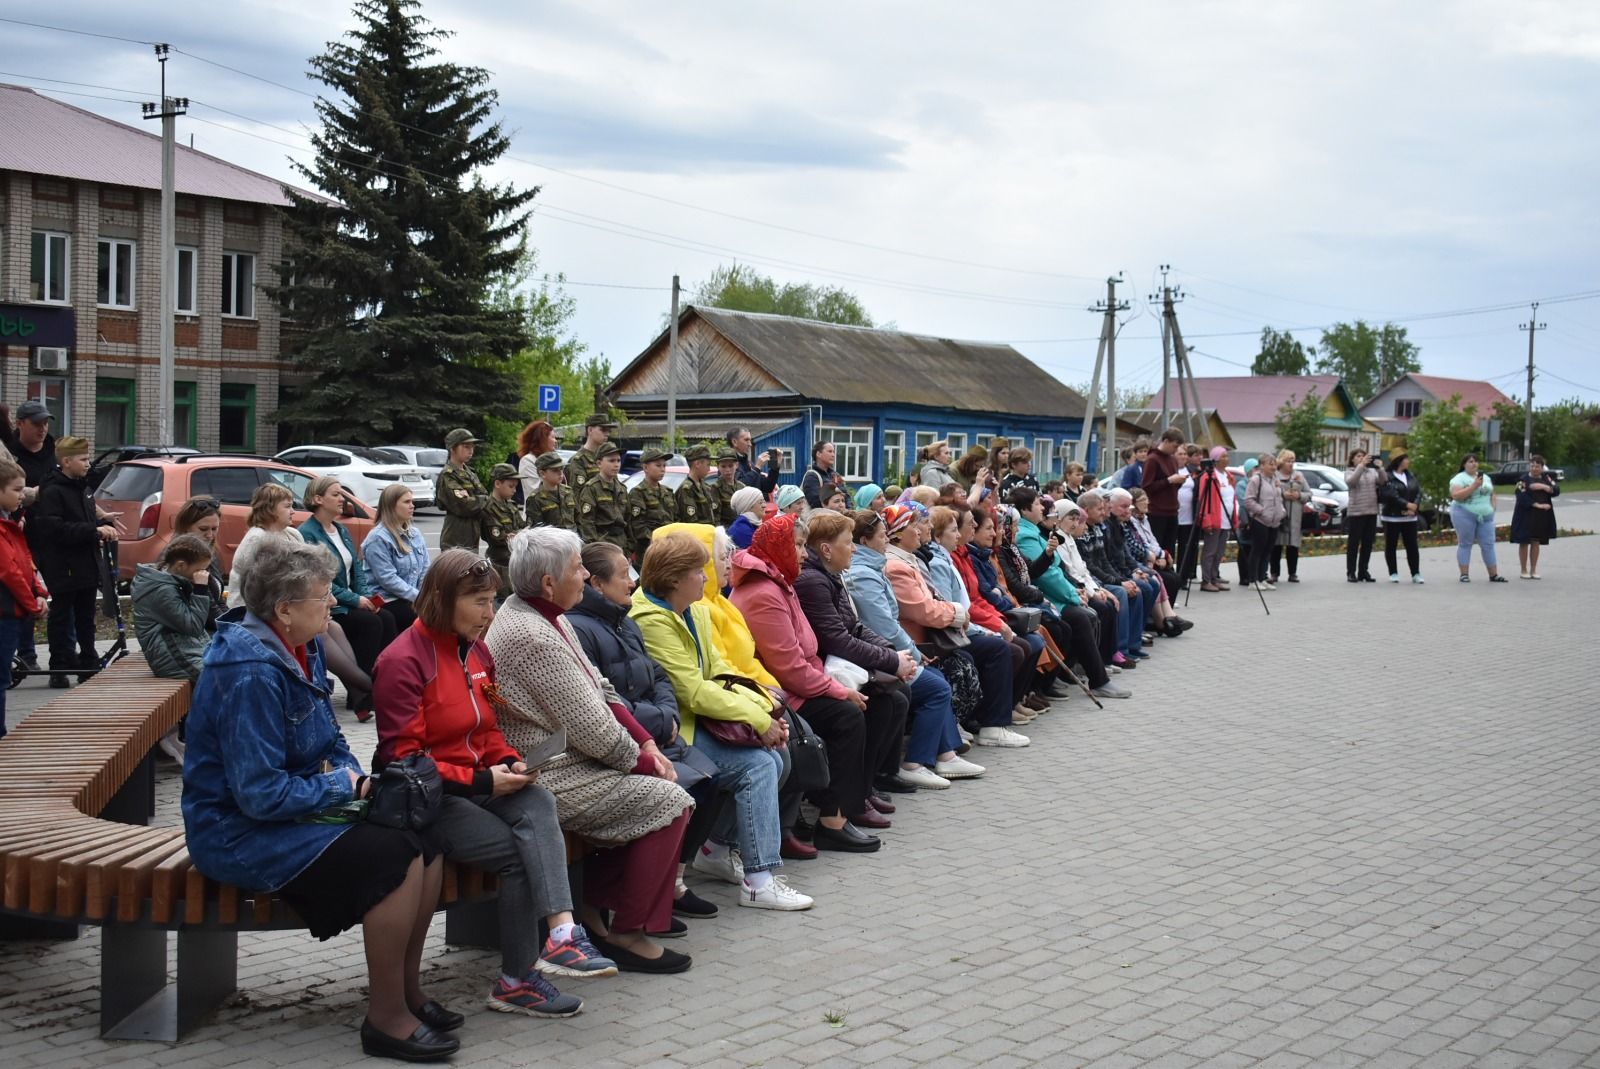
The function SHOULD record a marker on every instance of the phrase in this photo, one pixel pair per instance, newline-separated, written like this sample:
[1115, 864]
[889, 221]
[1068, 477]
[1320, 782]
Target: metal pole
[168, 112]
[1166, 370]
[1532, 328]
[672, 373]
[1088, 408]
[1111, 362]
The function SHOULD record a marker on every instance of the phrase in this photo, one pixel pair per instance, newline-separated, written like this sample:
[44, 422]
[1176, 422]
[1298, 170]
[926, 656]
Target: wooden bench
[77, 787]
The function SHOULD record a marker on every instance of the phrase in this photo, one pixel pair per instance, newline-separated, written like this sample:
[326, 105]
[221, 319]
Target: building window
[1044, 457]
[958, 445]
[785, 460]
[1069, 453]
[51, 391]
[923, 440]
[184, 412]
[184, 297]
[894, 454]
[114, 274]
[854, 448]
[237, 418]
[113, 412]
[1407, 409]
[239, 285]
[50, 275]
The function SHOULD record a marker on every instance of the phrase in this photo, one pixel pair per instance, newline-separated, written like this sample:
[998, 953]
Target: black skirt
[358, 870]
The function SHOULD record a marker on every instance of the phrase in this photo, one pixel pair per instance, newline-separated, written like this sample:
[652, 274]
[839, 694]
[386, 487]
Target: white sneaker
[1394, 577]
[727, 868]
[1417, 579]
[1113, 670]
[966, 736]
[172, 746]
[775, 895]
[1111, 690]
[959, 768]
[921, 776]
[998, 736]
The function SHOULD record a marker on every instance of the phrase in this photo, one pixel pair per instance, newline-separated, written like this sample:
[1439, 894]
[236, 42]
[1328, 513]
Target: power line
[1545, 373]
[80, 33]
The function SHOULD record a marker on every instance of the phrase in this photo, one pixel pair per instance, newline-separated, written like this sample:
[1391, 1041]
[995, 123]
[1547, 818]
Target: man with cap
[603, 503]
[458, 491]
[650, 504]
[697, 503]
[502, 517]
[586, 461]
[65, 534]
[553, 504]
[728, 484]
[35, 450]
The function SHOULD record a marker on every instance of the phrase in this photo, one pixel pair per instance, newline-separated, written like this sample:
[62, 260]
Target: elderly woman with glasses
[268, 782]
[613, 787]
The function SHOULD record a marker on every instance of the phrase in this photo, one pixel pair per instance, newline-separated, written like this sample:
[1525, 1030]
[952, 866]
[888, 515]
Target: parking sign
[549, 398]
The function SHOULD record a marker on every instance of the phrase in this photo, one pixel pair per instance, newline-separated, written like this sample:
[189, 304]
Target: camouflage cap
[460, 436]
[502, 471]
[599, 419]
[547, 461]
[728, 454]
[697, 452]
[607, 449]
[653, 454]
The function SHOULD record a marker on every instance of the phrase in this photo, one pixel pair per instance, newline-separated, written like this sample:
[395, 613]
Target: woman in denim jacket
[396, 555]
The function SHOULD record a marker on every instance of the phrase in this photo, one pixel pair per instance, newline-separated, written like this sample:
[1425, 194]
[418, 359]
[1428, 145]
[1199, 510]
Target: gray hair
[537, 552]
[1090, 498]
[1118, 493]
[282, 571]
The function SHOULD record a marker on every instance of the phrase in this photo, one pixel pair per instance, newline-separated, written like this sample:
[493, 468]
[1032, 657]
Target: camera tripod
[1208, 477]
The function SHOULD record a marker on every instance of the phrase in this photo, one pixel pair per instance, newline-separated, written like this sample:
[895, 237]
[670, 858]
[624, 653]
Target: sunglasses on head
[478, 569]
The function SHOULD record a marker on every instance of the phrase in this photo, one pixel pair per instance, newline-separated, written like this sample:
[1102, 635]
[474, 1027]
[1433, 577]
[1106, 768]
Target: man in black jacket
[65, 533]
[747, 472]
[1094, 547]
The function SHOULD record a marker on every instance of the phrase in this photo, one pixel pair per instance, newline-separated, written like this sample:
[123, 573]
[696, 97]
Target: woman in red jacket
[20, 589]
[434, 692]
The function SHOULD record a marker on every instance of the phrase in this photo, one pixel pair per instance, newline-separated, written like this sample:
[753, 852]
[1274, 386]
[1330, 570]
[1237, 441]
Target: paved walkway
[1359, 831]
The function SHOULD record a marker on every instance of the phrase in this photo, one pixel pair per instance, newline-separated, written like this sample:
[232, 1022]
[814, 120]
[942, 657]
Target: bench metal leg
[36, 929]
[137, 1002]
[135, 802]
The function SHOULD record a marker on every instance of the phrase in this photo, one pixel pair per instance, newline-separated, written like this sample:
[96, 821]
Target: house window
[854, 448]
[237, 418]
[49, 276]
[894, 454]
[239, 285]
[113, 412]
[51, 391]
[982, 441]
[184, 296]
[922, 441]
[1044, 457]
[958, 445]
[1069, 453]
[114, 274]
[184, 412]
[1407, 409]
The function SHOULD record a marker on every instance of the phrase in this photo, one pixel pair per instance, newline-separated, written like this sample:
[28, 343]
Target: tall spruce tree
[391, 275]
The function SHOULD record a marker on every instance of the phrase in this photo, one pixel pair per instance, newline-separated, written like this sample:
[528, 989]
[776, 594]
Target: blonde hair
[668, 560]
[265, 501]
[931, 450]
[1287, 454]
[941, 519]
[387, 519]
[318, 488]
[926, 496]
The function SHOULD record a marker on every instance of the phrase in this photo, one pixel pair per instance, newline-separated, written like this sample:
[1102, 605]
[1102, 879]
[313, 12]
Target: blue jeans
[1151, 589]
[752, 774]
[933, 719]
[1469, 529]
[10, 633]
[1130, 619]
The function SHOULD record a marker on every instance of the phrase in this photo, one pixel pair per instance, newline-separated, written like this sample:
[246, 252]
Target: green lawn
[1570, 486]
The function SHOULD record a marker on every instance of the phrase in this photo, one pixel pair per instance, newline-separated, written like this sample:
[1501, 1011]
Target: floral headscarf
[774, 544]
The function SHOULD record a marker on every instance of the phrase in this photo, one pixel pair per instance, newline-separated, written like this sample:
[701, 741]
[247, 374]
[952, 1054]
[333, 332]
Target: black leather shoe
[1352, 579]
[437, 1017]
[690, 904]
[59, 681]
[423, 1045]
[670, 961]
[1368, 579]
[849, 838]
[1056, 690]
[676, 929]
[888, 785]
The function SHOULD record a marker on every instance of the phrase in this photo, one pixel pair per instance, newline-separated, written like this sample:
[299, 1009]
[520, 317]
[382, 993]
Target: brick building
[80, 262]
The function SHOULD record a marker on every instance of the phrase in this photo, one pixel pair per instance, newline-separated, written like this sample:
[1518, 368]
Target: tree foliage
[1281, 354]
[1441, 434]
[1367, 358]
[391, 273]
[741, 288]
[1130, 397]
[1566, 434]
[1299, 425]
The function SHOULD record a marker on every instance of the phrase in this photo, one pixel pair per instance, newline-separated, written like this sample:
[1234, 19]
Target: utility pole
[672, 373]
[1166, 354]
[1532, 327]
[1188, 393]
[1108, 338]
[167, 111]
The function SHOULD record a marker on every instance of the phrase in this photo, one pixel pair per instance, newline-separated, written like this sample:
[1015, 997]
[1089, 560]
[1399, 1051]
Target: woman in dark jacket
[615, 645]
[1397, 502]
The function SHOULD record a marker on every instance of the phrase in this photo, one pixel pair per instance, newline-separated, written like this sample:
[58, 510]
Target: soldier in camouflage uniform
[603, 503]
[501, 519]
[696, 501]
[458, 491]
[553, 504]
[650, 504]
[727, 484]
[585, 463]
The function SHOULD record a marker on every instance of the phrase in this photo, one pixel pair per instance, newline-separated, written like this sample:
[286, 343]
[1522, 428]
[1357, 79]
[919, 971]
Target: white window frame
[894, 445]
[193, 307]
[1044, 458]
[231, 293]
[958, 444]
[109, 247]
[923, 440]
[785, 459]
[853, 451]
[50, 237]
[982, 440]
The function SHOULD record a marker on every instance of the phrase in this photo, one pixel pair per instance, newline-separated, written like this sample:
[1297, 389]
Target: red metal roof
[39, 135]
[1250, 398]
[1484, 395]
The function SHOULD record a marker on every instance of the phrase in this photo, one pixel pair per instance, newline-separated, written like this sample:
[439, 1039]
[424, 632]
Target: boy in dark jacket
[20, 590]
[65, 534]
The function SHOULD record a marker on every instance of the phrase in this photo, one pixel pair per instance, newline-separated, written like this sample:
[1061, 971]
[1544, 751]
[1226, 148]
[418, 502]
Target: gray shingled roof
[39, 135]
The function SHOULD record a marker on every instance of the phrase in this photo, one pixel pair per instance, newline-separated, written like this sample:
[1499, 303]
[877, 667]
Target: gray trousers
[517, 837]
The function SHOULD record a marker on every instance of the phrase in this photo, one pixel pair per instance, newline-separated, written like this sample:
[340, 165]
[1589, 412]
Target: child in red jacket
[20, 589]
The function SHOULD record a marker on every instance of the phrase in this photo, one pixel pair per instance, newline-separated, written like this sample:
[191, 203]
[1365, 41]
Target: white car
[430, 458]
[362, 471]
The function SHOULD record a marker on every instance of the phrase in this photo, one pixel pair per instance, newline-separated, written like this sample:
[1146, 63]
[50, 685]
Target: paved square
[1359, 831]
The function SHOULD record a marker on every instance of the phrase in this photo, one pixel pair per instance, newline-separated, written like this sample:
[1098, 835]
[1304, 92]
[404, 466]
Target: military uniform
[726, 488]
[649, 507]
[583, 466]
[603, 512]
[459, 492]
[697, 502]
[500, 520]
[553, 507]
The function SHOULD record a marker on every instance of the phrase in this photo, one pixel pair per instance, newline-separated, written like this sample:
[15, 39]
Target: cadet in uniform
[501, 519]
[553, 504]
[603, 503]
[585, 462]
[650, 504]
[727, 484]
[458, 491]
[696, 501]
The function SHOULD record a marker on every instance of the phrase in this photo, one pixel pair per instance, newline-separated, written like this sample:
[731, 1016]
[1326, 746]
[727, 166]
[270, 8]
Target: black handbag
[406, 794]
[808, 756]
[945, 640]
[1024, 619]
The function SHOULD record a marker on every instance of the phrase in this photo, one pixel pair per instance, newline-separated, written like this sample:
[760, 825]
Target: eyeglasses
[326, 599]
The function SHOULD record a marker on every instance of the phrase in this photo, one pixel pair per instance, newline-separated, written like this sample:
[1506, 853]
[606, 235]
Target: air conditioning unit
[50, 358]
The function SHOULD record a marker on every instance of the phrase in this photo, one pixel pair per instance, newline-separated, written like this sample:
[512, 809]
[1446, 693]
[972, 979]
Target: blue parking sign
[549, 398]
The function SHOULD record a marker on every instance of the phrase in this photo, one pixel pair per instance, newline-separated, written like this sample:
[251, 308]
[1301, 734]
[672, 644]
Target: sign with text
[35, 325]
[549, 398]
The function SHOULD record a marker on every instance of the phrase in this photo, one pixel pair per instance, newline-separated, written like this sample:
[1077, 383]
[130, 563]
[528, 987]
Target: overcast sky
[1296, 164]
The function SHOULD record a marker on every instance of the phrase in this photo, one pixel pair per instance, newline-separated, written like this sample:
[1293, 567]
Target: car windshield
[374, 456]
[432, 458]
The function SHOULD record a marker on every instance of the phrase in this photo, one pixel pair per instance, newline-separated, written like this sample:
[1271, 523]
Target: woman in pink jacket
[763, 592]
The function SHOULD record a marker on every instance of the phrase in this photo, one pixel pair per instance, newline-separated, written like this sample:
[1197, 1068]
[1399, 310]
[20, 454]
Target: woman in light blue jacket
[396, 554]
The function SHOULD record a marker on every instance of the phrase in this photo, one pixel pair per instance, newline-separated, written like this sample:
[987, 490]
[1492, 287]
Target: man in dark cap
[650, 504]
[502, 518]
[553, 504]
[35, 449]
[586, 461]
[603, 503]
[727, 484]
[696, 501]
[458, 491]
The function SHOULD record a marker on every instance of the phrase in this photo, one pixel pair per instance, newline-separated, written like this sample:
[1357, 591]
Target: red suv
[146, 494]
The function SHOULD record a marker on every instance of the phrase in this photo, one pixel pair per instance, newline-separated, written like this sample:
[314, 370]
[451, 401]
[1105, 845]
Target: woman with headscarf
[747, 504]
[791, 500]
[871, 497]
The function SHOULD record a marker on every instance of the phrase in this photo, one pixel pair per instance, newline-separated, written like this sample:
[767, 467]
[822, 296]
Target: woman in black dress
[1533, 519]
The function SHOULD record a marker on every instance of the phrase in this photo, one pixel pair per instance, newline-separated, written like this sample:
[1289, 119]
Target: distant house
[1212, 431]
[1394, 407]
[879, 395]
[1248, 405]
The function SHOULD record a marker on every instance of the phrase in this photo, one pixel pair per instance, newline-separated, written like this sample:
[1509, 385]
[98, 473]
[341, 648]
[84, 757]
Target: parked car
[1512, 471]
[146, 494]
[116, 454]
[429, 458]
[1330, 498]
[362, 471]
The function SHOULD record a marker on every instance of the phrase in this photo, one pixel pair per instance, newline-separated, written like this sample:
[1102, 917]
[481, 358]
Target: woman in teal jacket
[354, 611]
[1043, 566]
